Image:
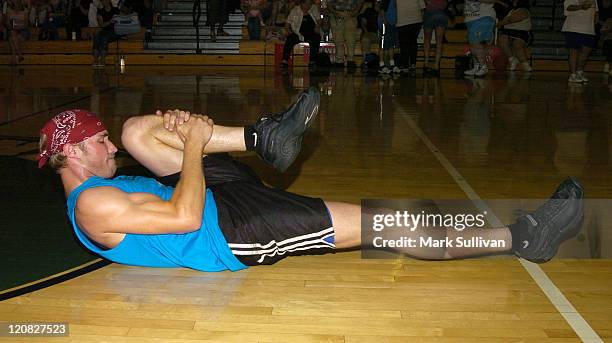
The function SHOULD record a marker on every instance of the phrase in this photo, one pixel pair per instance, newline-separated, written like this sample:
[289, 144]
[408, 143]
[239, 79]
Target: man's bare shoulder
[101, 200]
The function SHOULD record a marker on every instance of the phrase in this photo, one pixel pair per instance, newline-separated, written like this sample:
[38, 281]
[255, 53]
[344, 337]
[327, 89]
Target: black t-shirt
[371, 17]
[107, 15]
[384, 5]
[605, 13]
[308, 25]
[502, 11]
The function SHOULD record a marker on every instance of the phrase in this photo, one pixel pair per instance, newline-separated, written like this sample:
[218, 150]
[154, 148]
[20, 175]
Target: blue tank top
[204, 249]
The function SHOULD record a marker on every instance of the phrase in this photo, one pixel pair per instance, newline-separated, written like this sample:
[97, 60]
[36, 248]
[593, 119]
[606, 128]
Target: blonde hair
[56, 161]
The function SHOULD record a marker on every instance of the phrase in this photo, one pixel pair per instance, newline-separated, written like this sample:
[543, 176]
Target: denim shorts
[481, 30]
[435, 18]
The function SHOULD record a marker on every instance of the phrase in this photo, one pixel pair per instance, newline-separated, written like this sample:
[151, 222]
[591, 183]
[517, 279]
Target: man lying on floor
[214, 213]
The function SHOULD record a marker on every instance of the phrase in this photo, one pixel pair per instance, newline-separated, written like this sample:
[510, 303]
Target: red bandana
[68, 127]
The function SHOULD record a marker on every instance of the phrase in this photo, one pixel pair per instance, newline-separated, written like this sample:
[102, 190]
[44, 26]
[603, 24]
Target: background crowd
[496, 29]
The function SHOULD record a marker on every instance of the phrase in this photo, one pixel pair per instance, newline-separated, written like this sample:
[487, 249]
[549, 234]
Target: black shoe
[557, 220]
[433, 72]
[338, 65]
[426, 71]
[351, 65]
[412, 72]
[279, 137]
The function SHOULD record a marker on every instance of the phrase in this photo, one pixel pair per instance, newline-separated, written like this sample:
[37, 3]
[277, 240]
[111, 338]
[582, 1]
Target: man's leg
[337, 29]
[366, 43]
[350, 29]
[277, 139]
[413, 46]
[583, 56]
[573, 59]
[535, 236]
[347, 227]
[290, 42]
[427, 33]
[161, 151]
[314, 42]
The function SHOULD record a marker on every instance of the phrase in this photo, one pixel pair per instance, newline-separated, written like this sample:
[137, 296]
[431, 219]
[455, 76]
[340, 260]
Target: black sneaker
[557, 220]
[433, 72]
[426, 71]
[279, 137]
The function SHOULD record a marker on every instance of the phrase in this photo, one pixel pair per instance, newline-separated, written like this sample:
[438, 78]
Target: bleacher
[173, 43]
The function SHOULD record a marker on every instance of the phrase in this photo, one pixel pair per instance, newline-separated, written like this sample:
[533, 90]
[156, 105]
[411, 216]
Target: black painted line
[54, 280]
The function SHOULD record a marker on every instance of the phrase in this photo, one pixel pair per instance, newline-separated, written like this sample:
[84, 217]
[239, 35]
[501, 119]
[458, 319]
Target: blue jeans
[101, 40]
[254, 28]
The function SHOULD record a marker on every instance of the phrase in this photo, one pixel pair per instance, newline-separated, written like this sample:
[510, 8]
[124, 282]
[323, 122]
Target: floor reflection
[509, 137]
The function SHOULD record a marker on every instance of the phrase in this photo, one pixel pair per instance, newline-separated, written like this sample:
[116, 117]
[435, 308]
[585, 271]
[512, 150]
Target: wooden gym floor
[498, 138]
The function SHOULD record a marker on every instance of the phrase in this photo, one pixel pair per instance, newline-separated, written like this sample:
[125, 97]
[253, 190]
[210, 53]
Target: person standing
[480, 21]
[409, 21]
[17, 23]
[434, 18]
[368, 22]
[343, 19]
[605, 25]
[216, 14]
[79, 18]
[387, 20]
[303, 25]
[579, 29]
[105, 35]
[515, 34]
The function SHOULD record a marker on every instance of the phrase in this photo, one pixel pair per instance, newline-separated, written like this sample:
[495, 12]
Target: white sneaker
[384, 70]
[396, 70]
[513, 62]
[574, 79]
[526, 67]
[471, 72]
[482, 70]
[580, 75]
[606, 68]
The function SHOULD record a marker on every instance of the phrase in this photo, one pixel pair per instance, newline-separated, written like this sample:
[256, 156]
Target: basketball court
[506, 137]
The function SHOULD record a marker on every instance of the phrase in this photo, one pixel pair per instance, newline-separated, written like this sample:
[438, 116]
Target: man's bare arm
[109, 210]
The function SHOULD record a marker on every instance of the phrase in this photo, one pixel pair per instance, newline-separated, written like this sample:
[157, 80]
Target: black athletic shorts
[525, 36]
[263, 225]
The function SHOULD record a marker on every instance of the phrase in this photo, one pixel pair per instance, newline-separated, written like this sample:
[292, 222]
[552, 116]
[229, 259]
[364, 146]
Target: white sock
[392, 63]
[381, 63]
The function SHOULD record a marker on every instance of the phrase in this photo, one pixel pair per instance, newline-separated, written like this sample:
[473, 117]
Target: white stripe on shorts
[286, 241]
[265, 251]
[326, 245]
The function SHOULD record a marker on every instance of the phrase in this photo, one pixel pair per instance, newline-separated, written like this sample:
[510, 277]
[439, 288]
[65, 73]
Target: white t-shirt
[474, 10]
[409, 12]
[581, 21]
